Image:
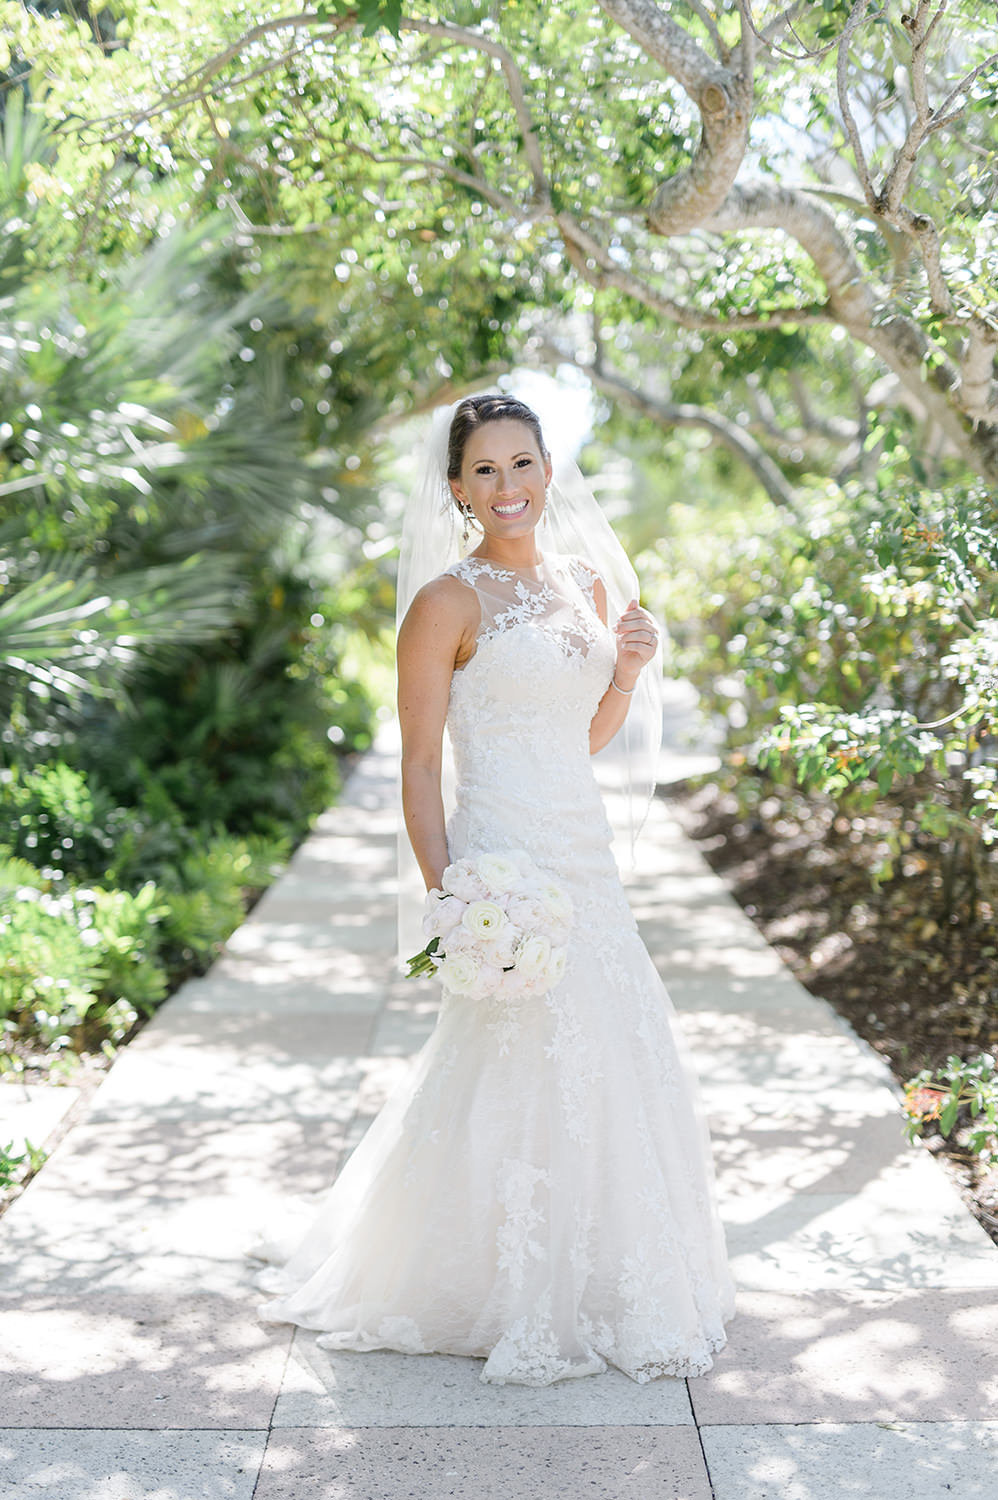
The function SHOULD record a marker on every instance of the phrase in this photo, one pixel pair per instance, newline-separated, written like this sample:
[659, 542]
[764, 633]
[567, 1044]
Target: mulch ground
[915, 984]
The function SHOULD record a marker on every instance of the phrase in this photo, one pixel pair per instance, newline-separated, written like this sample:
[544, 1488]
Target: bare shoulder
[443, 601]
[442, 619]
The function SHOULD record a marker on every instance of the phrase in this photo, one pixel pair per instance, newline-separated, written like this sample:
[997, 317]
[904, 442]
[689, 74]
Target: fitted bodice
[520, 711]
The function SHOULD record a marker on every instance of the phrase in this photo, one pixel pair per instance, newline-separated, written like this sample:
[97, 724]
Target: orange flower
[923, 1103]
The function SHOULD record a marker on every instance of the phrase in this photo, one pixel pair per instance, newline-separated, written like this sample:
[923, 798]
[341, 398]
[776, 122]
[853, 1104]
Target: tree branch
[747, 39]
[515, 207]
[710, 25]
[514, 83]
[923, 231]
[685, 414]
[856, 16]
[942, 115]
[595, 265]
[724, 101]
[172, 104]
[897, 179]
[303, 20]
[978, 370]
[672, 47]
[762, 206]
[775, 26]
[899, 341]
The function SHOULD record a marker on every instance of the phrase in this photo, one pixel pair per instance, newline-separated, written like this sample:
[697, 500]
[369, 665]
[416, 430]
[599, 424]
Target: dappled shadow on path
[171, 1359]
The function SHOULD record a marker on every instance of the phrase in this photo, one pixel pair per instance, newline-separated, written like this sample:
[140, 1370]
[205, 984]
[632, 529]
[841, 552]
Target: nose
[506, 480]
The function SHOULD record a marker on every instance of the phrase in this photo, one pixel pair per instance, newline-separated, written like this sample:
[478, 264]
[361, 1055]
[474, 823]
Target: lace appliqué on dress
[538, 1193]
[516, 1184]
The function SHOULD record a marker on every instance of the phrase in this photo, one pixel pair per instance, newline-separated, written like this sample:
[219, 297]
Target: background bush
[191, 638]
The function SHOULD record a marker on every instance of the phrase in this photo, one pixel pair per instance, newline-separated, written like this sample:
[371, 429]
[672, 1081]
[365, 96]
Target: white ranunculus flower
[458, 973]
[460, 880]
[484, 919]
[498, 872]
[443, 916]
[534, 956]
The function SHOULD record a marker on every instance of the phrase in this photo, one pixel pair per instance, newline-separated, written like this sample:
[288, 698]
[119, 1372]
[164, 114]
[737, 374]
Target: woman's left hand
[637, 638]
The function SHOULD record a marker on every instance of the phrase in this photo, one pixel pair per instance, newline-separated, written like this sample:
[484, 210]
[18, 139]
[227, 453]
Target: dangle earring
[547, 502]
[466, 533]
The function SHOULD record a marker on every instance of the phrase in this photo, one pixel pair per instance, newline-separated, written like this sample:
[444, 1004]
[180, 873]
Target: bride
[539, 1193]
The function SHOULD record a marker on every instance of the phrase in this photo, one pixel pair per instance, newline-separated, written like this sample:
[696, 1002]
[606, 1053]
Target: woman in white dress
[539, 1193]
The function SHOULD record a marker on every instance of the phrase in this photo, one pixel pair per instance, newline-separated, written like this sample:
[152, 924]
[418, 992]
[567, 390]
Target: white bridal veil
[575, 526]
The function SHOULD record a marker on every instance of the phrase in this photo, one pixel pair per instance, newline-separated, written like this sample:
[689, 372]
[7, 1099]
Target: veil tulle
[574, 526]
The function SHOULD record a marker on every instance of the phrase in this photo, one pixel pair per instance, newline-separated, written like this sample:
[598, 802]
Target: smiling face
[503, 479]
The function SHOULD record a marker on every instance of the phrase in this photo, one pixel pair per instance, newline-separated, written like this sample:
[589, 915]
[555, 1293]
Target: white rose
[458, 973]
[459, 879]
[484, 919]
[498, 872]
[534, 957]
[443, 916]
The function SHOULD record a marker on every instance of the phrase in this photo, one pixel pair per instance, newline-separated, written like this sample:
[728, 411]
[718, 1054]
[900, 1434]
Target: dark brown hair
[475, 412]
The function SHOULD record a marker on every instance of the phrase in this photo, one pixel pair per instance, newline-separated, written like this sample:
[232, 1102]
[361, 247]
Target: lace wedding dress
[539, 1192]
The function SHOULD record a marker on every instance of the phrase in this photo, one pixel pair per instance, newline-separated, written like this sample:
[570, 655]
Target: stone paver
[801, 1356]
[131, 1364]
[185, 1360]
[383, 1390]
[42, 1464]
[499, 1463]
[859, 1461]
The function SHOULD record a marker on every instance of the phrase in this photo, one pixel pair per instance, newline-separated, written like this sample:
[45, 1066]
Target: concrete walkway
[862, 1362]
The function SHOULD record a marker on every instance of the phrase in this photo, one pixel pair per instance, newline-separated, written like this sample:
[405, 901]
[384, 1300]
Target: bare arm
[437, 634]
[634, 649]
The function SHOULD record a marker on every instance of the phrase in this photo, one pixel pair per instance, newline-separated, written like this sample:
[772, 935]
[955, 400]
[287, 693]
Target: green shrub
[59, 817]
[16, 1164]
[211, 897]
[128, 940]
[51, 970]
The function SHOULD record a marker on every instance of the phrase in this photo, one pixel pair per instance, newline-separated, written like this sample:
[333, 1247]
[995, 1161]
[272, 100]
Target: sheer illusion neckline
[501, 567]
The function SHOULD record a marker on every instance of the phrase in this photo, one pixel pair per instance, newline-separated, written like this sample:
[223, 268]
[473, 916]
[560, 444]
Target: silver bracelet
[626, 691]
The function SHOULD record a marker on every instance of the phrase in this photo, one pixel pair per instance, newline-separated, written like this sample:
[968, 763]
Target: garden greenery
[183, 659]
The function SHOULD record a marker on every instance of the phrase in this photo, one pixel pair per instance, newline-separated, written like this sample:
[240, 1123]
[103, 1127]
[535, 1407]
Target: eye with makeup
[487, 468]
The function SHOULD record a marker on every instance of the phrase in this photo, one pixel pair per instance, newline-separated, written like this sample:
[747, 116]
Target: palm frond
[71, 633]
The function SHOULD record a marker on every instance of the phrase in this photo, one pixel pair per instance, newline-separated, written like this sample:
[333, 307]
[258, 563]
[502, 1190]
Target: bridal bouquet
[498, 927]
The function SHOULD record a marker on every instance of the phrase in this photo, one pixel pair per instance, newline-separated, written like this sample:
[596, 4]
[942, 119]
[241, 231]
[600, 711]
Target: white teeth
[510, 510]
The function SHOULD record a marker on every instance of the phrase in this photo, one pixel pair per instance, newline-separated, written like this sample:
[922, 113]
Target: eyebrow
[524, 453]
